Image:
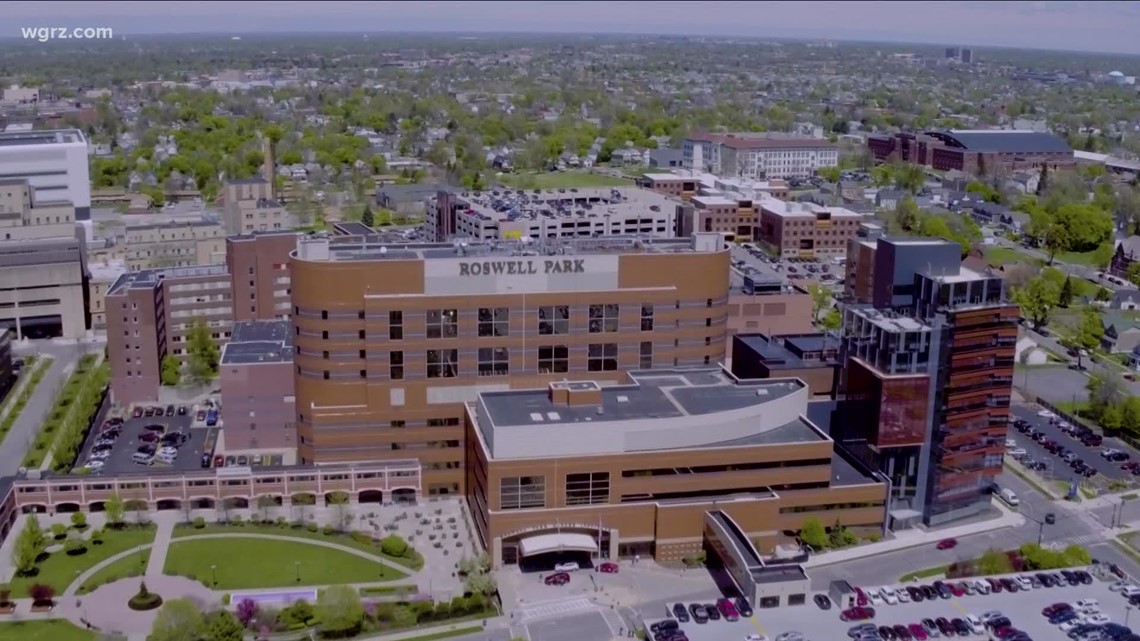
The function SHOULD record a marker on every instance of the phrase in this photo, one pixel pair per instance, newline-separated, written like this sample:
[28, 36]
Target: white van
[142, 458]
[1009, 497]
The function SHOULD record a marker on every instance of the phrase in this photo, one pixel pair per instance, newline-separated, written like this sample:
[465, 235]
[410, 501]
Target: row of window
[495, 321]
[495, 361]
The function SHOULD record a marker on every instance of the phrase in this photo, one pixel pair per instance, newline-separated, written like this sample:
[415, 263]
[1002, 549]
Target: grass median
[15, 405]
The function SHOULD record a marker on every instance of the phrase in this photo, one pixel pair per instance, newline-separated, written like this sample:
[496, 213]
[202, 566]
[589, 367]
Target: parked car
[743, 606]
[138, 412]
[712, 611]
[727, 609]
[608, 567]
[822, 601]
[857, 613]
[947, 544]
[700, 614]
[558, 578]
[569, 566]
[680, 612]
[170, 410]
[182, 409]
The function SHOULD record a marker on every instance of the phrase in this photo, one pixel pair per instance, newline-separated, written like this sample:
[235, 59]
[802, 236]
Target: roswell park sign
[522, 267]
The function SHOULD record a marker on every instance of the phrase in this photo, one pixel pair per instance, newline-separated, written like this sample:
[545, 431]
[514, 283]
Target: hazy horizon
[1102, 27]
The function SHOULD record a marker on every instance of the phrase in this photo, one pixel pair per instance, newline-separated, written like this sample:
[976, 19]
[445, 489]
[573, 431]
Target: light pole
[1049, 519]
[297, 564]
[214, 574]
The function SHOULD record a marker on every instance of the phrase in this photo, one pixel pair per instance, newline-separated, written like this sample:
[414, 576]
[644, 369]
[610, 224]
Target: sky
[1112, 27]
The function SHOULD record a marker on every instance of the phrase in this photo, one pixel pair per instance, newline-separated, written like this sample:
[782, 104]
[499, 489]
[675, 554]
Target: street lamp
[214, 574]
[297, 564]
[1049, 519]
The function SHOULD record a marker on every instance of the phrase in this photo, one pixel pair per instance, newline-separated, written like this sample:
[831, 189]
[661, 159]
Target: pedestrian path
[614, 620]
[1083, 540]
[556, 608]
[158, 549]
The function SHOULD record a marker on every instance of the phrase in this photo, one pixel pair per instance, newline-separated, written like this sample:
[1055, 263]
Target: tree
[222, 625]
[994, 562]
[1037, 300]
[171, 370]
[830, 174]
[394, 546]
[204, 352]
[367, 218]
[831, 320]
[266, 503]
[178, 620]
[29, 546]
[1090, 330]
[1134, 273]
[1102, 256]
[1066, 296]
[480, 583]
[813, 534]
[79, 520]
[246, 611]
[907, 214]
[820, 299]
[339, 611]
[1043, 181]
[114, 509]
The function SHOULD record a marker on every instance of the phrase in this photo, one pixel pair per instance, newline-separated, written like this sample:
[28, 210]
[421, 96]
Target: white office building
[54, 162]
[758, 156]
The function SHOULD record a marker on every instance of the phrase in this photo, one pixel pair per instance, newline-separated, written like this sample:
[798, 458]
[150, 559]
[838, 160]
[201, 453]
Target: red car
[955, 590]
[609, 567]
[860, 598]
[917, 631]
[558, 578]
[1056, 608]
[857, 613]
[137, 413]
[727, 610]
[947, 544]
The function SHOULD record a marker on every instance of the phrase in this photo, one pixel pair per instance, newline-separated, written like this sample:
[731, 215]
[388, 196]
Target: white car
[94, 466]
[991, 615]
[1024, 583]
[755, 637]
[1130, 591]
[1119, 586]
[1046, 414]
[976, 625]
[982, 587]
[1088, 603]
[903, 595]
[1097, 619]
[876, 598]
[1069, 625]
[890, 596]
[567, 567]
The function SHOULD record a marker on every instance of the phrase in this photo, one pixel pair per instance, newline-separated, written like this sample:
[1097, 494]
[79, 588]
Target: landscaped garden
[1029, 556]
[56, 557]
[15, 404]
[404, 554]
[227, 563]
[63, 432]
[47, 630]
[130, 565]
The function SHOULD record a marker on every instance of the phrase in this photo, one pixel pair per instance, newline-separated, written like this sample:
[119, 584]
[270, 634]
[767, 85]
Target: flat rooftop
[563, 204]
[42, 137]
[253, 342]
[374, 247]
[353, 228]
[786, 208]
[147, 278]
[964, 275]
[178, 223]
[890, 323]
[659, 410]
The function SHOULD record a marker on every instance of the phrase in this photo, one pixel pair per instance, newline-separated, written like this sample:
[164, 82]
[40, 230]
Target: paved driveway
[189, 455]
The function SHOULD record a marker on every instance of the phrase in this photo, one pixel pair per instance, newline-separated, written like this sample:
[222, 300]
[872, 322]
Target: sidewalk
[165, 532]
[493, 623]
[916, 537]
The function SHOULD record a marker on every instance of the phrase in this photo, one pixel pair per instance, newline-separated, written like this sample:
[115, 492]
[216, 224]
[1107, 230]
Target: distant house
[1125, 299]
[409, 200]
[889, 198]
[666, 158]
[1127, 252]
[989, 213]
[1121, 334]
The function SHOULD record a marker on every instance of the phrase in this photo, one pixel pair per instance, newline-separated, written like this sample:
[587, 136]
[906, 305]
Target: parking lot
[1055, 466]
[1022, 608]
[750, 260]
[130, 439]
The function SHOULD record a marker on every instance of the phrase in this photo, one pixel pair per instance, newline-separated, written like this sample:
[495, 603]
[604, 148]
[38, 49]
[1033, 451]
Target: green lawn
[924, 574]
[1008, 256]
[1077, 258]
[46, 630]
[562, 179]
[60, 569]
[267, 563]
[447, 634]
[184, 530]
[128, 566]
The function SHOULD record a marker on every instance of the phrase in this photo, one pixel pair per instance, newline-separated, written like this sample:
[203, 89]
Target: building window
[588, 488]
[441, 323]
[646, 355]
[602, 357]
[646, 317]
[395, 325]
[396, 365]
[554, 319]
[494, 321]
[553, 359]
[493, 361]
[603, 318]
[522, 492]
[442, 363]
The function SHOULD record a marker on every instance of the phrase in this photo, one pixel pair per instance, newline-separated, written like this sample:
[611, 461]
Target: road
[66, 354]
[1058, 468]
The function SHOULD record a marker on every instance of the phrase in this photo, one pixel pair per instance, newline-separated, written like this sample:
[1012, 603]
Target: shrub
[226, 599]
[393, 545]
[144, 600]
[237, 520]
[246, 611]
[79, 520]
[328, 530]
[312, 527]
[97, 537]
[58, 530]
[42, 594]
[75, 546]
[199, 523]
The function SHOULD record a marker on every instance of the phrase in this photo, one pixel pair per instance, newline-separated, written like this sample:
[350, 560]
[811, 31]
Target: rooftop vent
[623, 399]
[599, 410]
[536, 417]
[762, 392]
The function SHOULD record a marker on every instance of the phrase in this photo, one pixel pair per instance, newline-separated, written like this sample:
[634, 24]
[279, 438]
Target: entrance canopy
[543, 543]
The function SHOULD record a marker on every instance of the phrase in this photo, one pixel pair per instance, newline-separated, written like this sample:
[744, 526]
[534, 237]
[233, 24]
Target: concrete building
[104, 273]
[976, 151]
[768, 306]
[711, 204]
[403, 336]
[685, 183]
[758, 156]
[636, 468]
[806, 230]
[549, 214]
[251, 205]
[256, 378]
[927, 381]
[54, 162]
[43, 275]
[183, 243]
[150, 312]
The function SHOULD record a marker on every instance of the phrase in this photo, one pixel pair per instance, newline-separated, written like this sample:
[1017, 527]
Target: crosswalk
[556, 608]
[614, 620]
[1083, 540]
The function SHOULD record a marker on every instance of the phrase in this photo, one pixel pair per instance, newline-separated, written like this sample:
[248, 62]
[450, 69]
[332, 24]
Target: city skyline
[1077, 26]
